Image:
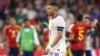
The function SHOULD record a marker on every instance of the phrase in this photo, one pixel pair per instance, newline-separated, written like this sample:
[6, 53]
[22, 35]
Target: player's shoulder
[74, 26]
[33, 27]
[17, 26]
[60, 17]
[70, 27]
[7, 26]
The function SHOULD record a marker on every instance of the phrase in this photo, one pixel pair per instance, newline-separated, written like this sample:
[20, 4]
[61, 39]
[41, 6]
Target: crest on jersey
[52, 24]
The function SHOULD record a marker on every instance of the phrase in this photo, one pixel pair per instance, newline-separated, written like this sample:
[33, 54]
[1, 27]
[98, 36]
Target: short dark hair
[54, 4]
[79, 17]
[26, 20]
[11, 17]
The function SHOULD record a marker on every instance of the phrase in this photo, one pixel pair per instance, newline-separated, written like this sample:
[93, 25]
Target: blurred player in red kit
[11, 32]
[77, 36]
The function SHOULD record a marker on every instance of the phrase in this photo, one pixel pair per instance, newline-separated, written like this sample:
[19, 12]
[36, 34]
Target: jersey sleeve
[36, 40]
[70, 27]
[60, 24]
[18, 37]
[5, 30]
[73, 30]
[35, 36]
[88, 26]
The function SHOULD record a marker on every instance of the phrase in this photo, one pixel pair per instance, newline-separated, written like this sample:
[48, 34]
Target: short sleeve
[88, 26]
[70, 27]
[73, 30]
[60, 24]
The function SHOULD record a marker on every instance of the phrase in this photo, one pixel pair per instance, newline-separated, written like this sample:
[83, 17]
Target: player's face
[12, 21]
[86, 20]
[27, 23]
[50, 10]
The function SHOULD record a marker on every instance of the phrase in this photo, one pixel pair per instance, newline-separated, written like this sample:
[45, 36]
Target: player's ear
[56, 8]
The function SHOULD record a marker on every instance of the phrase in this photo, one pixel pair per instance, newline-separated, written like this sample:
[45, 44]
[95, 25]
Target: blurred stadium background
[34, 10]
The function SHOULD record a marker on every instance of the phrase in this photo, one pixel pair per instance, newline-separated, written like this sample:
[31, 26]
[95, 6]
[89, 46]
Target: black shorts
[72, 52]
[88, 53]
[13, 52]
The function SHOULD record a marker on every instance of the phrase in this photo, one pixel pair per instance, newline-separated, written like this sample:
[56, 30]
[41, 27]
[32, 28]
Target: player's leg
[10, 52]
[81, 53]
[30, 54]
[88, 53]
[75, 52]
[68, 48]
[15, 51]
[25, 53]
[78, 53]
[69, 52]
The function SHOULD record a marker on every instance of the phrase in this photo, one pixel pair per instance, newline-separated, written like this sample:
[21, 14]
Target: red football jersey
[11, 33]
[79, 31]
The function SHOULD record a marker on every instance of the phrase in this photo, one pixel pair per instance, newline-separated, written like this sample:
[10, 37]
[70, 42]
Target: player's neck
[13, 24]
[54, 15]
[79, 22]
[26, 26]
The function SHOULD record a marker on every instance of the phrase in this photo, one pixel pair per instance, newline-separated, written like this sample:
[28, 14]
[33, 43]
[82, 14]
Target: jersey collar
[55, 16]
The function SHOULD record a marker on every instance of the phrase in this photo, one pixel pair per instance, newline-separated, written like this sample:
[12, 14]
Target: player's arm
[18, 38]
[93, 23]
[5, 36]
[35, 38]
[58, 37]
[70, 35]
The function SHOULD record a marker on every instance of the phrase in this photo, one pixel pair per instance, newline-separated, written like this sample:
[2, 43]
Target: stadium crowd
[35, 12]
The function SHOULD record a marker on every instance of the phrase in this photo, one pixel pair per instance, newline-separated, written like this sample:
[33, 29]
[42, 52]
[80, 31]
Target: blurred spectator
[46, 32]
[98, 31]
[69, 20]
[94, 13]
[88, 40]
[11, 31]
[42, 13]
[1, 25]
[21, 9]
[20, 13]
[63, 10]
[97, 2]
[31, 13]
[39, 27]
[27, 34]
[3, 8]
[3, 40]
[12, 6]
[38, 4]
[2, 37]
